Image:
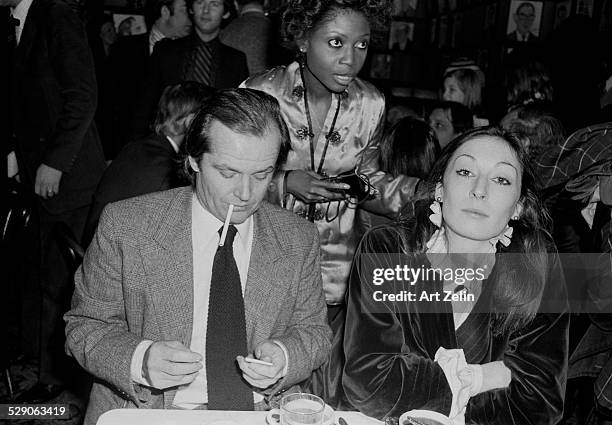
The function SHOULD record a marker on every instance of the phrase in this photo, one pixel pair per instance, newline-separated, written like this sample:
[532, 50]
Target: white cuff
[12, 167]
[476, 385]
[136, 365]
[286, 353]
[496, 375]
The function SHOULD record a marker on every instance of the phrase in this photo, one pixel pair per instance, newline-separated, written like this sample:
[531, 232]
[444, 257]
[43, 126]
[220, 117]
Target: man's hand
[262, 376]
[47, 181]
[170, 363]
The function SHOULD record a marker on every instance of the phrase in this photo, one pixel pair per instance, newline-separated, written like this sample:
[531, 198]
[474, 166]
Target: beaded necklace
[331, 136]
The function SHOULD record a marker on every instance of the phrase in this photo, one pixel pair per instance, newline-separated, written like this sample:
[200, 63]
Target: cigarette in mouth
[230, 210]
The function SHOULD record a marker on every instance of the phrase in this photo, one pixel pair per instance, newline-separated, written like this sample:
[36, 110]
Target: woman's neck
[461, 245]
[317, 92]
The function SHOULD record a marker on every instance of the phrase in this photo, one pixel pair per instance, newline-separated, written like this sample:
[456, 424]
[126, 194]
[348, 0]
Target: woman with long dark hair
[335, 122]
[490, 349]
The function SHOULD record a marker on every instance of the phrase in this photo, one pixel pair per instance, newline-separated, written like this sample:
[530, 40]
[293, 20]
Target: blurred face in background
[441, 123]
[452, 91]
[207, 17]
[177, 20]
[108, 33]
[125, 27]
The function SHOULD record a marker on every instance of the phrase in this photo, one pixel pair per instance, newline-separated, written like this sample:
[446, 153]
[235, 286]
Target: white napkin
[464, 380]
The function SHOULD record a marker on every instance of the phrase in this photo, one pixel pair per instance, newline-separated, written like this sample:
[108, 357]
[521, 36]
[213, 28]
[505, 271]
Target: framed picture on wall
[456, 28]
[584, 7]
[490, 16]
[605, 23]
[433, 31]
[381, 66]
[562, 11]
[404, 8]
[524, 21]
[379, 39]
[129, 24]
[401, 35]
[443, 32]
[442, 6]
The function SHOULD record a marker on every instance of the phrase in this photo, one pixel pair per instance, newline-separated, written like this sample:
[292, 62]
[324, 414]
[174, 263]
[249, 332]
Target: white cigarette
[257, 361]
[230, 210]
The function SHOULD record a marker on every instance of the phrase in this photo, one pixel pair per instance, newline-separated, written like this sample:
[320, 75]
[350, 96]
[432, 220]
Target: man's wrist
[286, 353]
[137, 367]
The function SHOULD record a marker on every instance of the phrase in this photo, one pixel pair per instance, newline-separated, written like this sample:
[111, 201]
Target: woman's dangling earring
[436, 208]
[302, 56]
[505, 237]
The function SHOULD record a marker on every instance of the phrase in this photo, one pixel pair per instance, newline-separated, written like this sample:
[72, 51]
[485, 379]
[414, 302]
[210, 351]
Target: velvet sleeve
[537, 358]
[387, 370]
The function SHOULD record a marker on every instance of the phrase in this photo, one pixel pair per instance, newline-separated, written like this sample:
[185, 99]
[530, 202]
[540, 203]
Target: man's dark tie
[226, 333]
[13, 23]
[203, 71]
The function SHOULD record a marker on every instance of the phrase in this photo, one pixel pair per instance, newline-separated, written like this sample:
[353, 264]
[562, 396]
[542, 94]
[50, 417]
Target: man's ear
[165, 13]
[226, 15]
[187, 120]
[194, 164]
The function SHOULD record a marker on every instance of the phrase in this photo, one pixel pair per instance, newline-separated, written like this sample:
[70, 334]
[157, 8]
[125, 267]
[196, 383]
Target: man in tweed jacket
[135, 289]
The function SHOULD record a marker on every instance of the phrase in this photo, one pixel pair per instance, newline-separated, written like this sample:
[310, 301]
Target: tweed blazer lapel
[168, 262]
[265, 285]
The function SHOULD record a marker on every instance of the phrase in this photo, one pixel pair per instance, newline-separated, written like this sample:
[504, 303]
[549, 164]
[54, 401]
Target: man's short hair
[228, 6]
[523, 5]
[243, 3]
[176, 103]
[245, 111]
[153, 10]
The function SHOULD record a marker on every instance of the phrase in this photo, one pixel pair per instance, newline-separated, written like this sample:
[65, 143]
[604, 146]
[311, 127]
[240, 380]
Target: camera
[358, 184]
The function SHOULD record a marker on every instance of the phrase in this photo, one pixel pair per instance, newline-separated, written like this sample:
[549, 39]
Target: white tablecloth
[206, 417]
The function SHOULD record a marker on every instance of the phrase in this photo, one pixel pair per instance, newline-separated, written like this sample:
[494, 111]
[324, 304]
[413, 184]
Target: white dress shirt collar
[154, 36]
[174, 145]
[21, 12]
[211, 224]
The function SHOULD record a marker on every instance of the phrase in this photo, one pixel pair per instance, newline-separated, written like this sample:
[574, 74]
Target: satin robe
[360, 125]
[390, 369]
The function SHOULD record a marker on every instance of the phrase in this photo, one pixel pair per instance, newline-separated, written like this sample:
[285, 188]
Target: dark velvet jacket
[390, 369]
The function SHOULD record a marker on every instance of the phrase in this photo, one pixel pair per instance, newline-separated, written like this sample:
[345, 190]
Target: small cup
[298, 409]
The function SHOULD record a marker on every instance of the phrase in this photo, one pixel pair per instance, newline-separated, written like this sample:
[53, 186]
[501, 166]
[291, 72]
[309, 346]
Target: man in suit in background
[56, 150]
[198, 57]
[129, 56]
[251, 34]
[150, 164]
[167, 303]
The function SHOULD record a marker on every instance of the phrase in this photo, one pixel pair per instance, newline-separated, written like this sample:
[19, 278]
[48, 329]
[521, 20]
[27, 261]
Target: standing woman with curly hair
[335, 122]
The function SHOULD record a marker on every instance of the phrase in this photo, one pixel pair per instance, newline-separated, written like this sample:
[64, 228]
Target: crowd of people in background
[110, 131]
